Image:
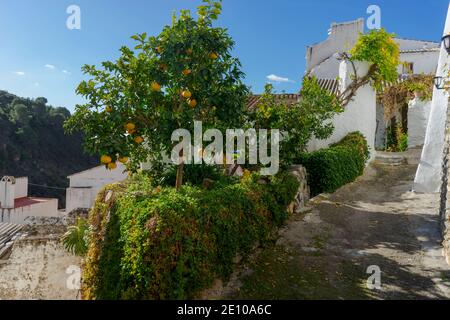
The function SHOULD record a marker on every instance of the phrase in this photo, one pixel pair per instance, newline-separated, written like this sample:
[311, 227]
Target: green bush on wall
[329, 169]
[149, 242]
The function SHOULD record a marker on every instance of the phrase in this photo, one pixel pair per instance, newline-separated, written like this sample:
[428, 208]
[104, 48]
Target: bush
[329, 169]
[163, 244]
[194, 174]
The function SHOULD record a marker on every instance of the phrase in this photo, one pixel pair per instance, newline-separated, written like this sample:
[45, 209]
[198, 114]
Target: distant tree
[63, 112]
[41, 101]
[20, 114]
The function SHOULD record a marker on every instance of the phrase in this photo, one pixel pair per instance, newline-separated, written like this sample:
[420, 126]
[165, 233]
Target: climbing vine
[378, 48]
[398, 94]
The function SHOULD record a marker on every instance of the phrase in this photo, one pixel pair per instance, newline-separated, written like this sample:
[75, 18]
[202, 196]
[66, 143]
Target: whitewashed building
[418, 57]
[16, 205]
[429, 173]
[85, 185]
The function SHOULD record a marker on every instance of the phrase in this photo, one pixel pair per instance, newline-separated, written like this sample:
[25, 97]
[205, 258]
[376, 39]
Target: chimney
[7, 189]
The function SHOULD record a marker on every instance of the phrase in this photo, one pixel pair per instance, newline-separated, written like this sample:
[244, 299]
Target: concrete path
[325, 253]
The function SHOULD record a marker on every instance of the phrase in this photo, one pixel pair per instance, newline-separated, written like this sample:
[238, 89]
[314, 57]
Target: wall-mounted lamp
[446, 41]
[439, 82]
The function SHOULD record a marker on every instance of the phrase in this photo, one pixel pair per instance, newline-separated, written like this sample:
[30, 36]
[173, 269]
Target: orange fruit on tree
[130, 126]
[105, 159]
[186, 94]
[163, 66]
[155, 86]
[186, 72]
[112, 165]
[192, 103]
[213, 55]
[139, 140]
[159, 49]
[123, 159]
[189, 51]
[109, 109]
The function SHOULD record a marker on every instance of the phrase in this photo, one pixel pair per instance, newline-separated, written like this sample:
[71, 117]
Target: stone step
[390, 158]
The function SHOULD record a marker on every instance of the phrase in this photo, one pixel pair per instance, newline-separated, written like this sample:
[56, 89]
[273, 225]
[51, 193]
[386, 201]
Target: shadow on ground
[325, 253]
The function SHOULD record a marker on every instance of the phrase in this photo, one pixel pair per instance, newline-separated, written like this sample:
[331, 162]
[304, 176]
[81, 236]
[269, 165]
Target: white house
[418, 57]
[16, 206]
[85, 185]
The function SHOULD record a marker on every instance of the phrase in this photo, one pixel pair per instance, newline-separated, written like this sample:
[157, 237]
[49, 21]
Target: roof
[289, 98]
[420, 40]
[8, 233]
[423, 50]
[120, 168]
[26, 201]
[332, 85]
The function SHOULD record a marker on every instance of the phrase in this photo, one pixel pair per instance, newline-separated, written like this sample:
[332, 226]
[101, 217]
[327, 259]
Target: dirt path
[324, 253]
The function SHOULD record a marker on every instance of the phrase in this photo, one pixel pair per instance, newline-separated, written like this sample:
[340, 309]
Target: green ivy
[378, 48]
[329, 169]
[156, 243]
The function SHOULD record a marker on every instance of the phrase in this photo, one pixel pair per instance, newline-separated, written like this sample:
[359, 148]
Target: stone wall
[444, 210]
[39, 269]
[303, 193]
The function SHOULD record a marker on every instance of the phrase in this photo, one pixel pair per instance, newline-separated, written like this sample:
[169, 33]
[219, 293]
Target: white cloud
[275, 78]
[50, 66]
[66, 72]
[19, 73]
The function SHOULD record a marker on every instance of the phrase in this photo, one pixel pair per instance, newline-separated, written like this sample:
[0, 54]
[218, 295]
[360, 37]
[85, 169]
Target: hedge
[163, 244]
[341, 163]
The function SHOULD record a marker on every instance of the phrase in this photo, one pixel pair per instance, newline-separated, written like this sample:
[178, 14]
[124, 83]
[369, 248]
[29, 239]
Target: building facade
[16, 206]
[85, 185]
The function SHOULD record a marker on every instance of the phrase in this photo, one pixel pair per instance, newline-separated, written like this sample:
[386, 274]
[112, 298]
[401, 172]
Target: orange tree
[164, 83]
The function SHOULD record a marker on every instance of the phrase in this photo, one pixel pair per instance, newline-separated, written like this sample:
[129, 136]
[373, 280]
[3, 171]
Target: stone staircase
[411, 156]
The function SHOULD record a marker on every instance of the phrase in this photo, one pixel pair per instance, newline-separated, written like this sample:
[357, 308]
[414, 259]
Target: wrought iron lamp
[446, 41]
[439, 82]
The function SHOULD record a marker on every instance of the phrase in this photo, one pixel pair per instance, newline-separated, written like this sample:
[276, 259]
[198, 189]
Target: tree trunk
[179, 181]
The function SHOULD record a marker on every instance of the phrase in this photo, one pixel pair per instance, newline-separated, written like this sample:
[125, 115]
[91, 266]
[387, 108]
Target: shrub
[74, 240]
[329, 169]
[300, 121]
[194, 174]
[163, 244]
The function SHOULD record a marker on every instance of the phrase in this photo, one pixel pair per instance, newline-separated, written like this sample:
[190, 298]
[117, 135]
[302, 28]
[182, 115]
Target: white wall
[418, 114]
[85, 185]
[79, 198]
[21, 188]
[341, 38]
[359, 114]
[424, 62]
[44, 208]
[428, 176]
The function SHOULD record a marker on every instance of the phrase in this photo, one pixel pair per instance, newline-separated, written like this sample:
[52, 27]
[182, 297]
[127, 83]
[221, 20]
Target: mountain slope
[33, 144]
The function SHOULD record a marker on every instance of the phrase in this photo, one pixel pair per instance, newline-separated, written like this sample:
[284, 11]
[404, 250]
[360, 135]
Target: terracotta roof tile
[332, 85]
[24, 202]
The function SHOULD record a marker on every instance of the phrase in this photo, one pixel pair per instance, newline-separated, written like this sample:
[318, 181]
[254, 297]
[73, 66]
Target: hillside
[33, 144]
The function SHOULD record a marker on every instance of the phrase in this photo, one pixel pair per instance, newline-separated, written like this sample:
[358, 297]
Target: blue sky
[41, 57]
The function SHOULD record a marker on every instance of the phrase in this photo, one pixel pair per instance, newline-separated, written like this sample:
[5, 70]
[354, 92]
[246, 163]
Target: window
[408, 68]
